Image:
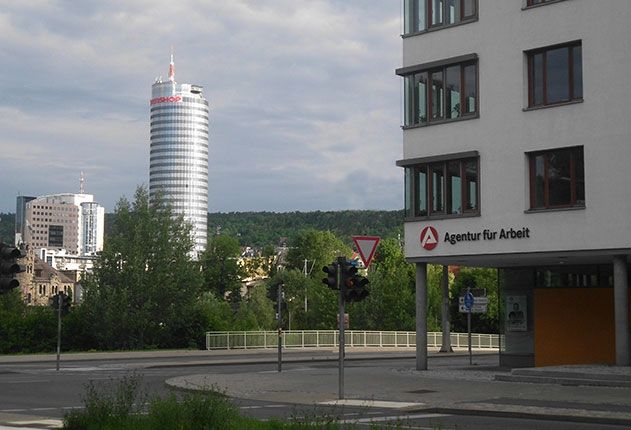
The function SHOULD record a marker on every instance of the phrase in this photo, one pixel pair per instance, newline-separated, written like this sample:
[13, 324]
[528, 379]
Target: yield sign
[366, 245]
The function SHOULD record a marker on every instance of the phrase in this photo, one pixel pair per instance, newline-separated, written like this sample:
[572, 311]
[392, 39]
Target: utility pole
[280, 327]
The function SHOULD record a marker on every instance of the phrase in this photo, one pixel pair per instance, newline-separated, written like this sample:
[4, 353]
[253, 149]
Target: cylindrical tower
[179, 151]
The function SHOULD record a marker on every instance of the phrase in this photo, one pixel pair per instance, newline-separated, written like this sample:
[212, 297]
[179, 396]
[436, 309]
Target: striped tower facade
[179, 151]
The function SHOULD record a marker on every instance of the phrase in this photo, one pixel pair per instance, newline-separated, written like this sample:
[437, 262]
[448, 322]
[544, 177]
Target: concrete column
[421, 316]
[621, 310]
[446, 344]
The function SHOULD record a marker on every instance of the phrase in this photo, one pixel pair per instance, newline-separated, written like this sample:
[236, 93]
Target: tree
[256, 311]
[391, 302]
[317, 247]
[476, 277]
[222, 272]
[145, 284]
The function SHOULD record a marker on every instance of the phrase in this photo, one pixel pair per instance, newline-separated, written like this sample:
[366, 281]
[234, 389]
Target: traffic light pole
[59, 303]
[341, 331]
[280, 328]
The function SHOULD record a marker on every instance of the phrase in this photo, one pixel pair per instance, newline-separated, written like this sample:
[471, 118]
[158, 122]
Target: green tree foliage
[319, 248]
[7, 228]
[475, 277]
[322, 303]
[256, 311]
[391, 302]
[217, 312]
[25, 329]
[144, 288]
[222, 273]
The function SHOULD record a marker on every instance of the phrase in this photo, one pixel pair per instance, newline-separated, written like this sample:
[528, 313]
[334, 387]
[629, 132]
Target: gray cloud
[304, 101]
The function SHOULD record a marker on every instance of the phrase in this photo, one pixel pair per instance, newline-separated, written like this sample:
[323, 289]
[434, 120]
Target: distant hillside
[262, 228]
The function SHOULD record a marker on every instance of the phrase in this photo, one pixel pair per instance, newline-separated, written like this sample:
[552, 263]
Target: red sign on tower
[429, 238]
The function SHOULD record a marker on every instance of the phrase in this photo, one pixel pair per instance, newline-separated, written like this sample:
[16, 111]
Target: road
[33, 392]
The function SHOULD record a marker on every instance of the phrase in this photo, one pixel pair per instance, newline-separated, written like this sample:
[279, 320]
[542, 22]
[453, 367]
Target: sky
[305, 107]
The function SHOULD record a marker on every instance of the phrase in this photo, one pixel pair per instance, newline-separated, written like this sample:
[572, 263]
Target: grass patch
[122, 405]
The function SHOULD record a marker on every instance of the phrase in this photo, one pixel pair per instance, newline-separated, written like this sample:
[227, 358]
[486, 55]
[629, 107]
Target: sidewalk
[450, 386]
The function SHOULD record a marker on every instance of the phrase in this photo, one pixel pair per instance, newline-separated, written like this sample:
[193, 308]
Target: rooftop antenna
[172, 67]
[81, 184]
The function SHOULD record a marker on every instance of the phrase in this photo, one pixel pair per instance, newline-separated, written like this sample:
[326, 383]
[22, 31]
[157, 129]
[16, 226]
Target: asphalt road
[32, 392]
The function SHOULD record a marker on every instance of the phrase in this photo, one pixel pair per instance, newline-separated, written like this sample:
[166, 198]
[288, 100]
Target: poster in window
[516, 313]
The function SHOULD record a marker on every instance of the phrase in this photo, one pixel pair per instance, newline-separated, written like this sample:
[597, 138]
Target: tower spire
[172, 68]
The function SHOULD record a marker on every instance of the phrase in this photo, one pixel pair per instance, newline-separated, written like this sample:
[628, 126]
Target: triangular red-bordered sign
[366, 246]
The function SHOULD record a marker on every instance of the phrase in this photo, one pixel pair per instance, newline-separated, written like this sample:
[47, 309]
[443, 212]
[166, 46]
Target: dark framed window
[555, 75]
[422, 15]
[441, 93]
[557, 178]
[442, 188]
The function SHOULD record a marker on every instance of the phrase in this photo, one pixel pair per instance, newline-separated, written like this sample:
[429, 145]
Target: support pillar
[621, 310]
[445, 320]
[421, 316]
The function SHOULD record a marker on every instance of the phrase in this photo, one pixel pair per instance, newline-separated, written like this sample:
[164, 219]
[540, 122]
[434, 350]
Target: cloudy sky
[305, 106]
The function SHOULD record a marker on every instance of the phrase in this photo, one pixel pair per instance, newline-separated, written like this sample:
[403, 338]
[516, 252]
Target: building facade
[40, 282]
[68, 225]
[179, 151]
[20, 218]
[515, 148]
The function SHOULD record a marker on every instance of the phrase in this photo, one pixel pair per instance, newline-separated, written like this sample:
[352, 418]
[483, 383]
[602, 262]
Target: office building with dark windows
[516, 147]
[179, 151]
[64, 230]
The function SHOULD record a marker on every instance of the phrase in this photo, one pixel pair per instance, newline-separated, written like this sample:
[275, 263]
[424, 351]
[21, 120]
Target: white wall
[504, 132]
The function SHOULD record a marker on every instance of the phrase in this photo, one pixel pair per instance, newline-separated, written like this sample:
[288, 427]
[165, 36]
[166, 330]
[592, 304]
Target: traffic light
[9, 266]
[331, 275]
[65, 303]
[354, 285]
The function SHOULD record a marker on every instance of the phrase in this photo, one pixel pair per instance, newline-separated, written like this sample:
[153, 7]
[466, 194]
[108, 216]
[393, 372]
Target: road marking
[263, 406]
[31, 381]
[13, 410]
[371, 403]
[400, 418]
[44, 409]
[49, 423]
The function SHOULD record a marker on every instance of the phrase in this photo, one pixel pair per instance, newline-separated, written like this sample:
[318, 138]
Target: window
[423, 15]
[442, 188]
[441, 93]
[557, 178]
[555, 75]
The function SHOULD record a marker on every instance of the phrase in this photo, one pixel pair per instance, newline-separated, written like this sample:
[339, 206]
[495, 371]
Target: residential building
[516, 147]
[179, 151]
[40, 281]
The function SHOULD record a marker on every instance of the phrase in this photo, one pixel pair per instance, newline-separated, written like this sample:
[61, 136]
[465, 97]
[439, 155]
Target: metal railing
[329, 339]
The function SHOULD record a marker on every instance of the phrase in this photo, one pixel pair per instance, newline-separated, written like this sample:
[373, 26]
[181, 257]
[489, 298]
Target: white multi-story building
[516, 146]
[179, 151]
[65, 225]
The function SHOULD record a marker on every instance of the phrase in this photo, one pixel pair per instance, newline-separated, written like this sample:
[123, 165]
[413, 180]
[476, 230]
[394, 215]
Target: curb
[529, 415]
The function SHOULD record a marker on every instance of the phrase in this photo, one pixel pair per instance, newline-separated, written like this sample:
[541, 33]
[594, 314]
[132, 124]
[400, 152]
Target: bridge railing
[329, 339]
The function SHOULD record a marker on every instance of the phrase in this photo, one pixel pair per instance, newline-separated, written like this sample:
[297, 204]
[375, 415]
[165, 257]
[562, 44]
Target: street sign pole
[469, 295]
[58, 329]
[341, 331]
